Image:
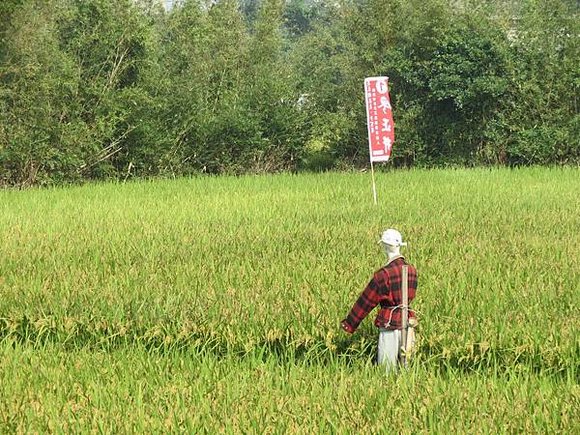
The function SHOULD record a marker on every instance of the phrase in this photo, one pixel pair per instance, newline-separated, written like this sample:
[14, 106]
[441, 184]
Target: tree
[37, 138]
[543, 118]
[109, 43]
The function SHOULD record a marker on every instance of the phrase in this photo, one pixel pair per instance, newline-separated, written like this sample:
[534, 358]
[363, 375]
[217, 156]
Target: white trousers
[390, 343]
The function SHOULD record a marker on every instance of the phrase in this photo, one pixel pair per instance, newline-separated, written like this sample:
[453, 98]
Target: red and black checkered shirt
[384, 289]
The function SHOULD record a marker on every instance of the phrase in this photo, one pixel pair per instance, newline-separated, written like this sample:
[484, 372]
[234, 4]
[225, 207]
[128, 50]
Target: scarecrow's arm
[368, 300]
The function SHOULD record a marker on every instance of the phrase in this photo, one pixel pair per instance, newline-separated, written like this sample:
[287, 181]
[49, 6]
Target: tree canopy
[96, 89]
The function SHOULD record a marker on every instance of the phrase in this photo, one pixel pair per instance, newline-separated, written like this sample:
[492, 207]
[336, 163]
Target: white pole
[374, 184]
[405, 314]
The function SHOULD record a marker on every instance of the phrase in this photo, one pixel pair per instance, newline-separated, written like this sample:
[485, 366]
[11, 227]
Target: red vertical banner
[380, 124]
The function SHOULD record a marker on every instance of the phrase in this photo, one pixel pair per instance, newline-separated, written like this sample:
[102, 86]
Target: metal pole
[374, 184]
[405, 315]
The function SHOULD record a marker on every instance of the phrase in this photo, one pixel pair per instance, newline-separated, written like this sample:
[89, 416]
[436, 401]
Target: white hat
[392, 237]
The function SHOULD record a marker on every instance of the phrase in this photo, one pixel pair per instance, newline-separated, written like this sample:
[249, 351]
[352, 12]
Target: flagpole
[374, 184]
[380, 123]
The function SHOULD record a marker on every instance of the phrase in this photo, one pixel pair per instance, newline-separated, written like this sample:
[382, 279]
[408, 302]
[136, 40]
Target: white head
[391, 240]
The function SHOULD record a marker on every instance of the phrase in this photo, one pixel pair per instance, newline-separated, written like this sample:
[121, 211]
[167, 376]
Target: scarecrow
[387, 288]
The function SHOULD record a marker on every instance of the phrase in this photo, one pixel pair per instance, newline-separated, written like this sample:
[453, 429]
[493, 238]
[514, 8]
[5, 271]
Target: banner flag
[380, 125]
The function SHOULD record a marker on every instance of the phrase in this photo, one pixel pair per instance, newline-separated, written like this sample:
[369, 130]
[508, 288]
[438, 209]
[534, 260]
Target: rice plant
[246, 278]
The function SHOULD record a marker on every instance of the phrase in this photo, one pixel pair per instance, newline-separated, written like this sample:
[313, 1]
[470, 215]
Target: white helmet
[392, 237]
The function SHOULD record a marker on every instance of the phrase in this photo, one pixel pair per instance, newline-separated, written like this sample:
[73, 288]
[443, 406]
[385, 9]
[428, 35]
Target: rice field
[212, 304]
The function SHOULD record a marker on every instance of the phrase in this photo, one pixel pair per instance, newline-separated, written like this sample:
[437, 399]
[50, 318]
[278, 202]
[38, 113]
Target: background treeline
[94, 89]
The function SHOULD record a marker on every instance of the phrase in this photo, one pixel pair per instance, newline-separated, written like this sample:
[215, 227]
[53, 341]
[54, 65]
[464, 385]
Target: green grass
[175, 285]
[133, 390]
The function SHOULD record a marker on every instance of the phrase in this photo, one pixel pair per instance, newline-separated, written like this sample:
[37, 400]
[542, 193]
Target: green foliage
[187, 302]
[69, 84]
[543, 112]
[102, 88]
[465, 85]
[40, 127]
[49, 389]
[109, 42]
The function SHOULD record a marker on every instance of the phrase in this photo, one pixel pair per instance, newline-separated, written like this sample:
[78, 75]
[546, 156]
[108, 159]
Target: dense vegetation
[94, 89]
[213, 303]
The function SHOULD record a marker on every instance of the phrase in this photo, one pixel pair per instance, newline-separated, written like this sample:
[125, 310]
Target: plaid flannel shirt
[384, 289]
